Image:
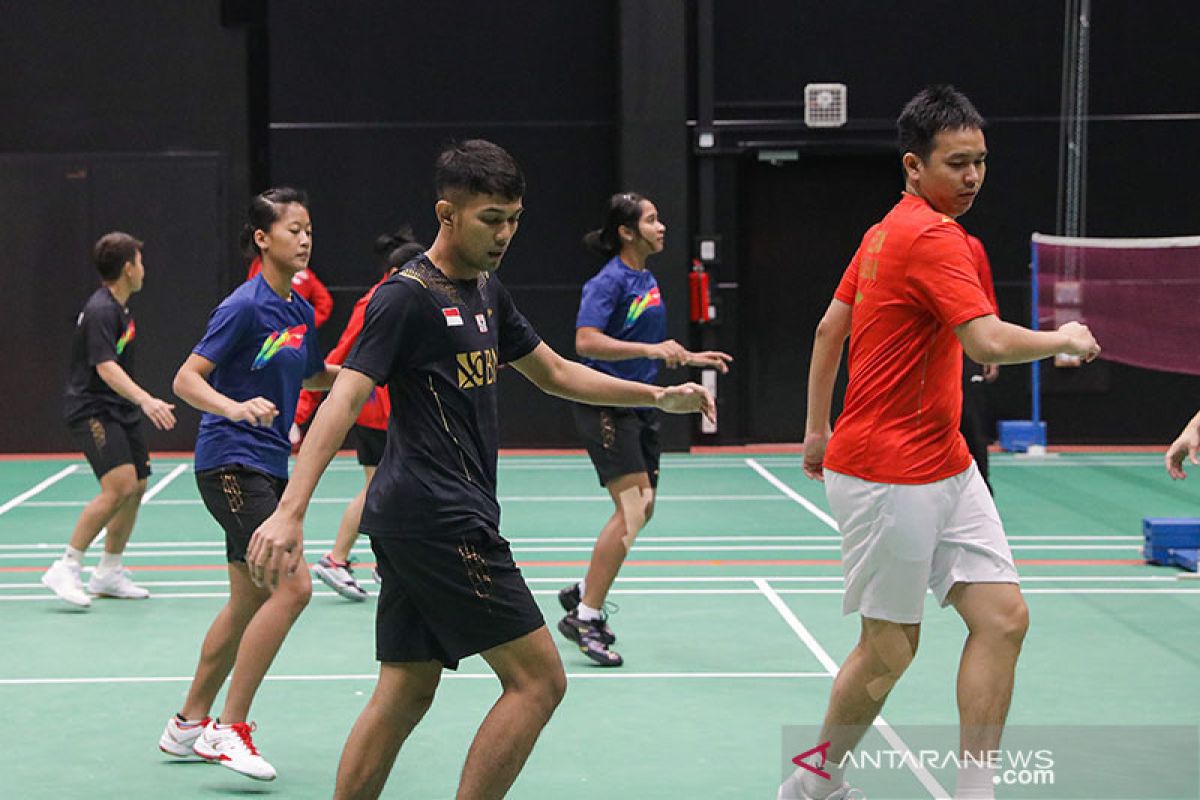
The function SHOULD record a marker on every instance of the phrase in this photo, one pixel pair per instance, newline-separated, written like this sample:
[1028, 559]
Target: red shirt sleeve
[848, 286]
[350, 335]
[985, 270]
[255, 268]
[312, 290]
[943, 275]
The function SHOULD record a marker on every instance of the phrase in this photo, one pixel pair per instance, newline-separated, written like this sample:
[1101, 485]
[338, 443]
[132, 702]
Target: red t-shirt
[984, 265]
[305, 284]
[912, 281]
[374, 413]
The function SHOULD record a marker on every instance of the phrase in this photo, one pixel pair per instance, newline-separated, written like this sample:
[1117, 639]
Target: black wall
[1145, 108]
[162, 118]
[129, 115]
[363, 95]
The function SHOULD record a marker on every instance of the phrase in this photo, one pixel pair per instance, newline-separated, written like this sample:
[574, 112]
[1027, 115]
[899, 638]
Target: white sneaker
[340, 578]
[178, 738]
[116, 583]
[791, 789]
[63, 579]
[231, 746]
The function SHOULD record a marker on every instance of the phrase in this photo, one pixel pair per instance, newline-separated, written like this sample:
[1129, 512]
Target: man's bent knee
[893, 647]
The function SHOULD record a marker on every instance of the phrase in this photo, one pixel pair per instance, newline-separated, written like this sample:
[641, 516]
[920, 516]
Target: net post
[1036, 367]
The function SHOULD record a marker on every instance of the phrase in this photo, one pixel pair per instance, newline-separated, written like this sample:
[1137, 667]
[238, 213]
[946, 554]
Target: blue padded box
[1016, 435]
[1186, 558]
[1166, 535]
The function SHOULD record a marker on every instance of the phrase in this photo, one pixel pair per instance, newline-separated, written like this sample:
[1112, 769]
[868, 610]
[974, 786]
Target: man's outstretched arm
[277, 547]
[570, 380]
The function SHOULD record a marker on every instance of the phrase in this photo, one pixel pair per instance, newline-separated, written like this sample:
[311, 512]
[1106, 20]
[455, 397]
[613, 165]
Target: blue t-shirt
[624, 303]
[263, 346]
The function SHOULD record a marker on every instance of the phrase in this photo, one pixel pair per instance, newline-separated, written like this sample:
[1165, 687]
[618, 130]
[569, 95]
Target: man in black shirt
[103, 407]
[437, 333]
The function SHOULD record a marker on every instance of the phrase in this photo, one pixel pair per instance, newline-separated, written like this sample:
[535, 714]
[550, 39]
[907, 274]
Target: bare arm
[1187, 444]
[277, 547]
[192, 386]
[569, 380]
[322, 381]
[594, 343]
[990, 340]
[828, 342]
[158, 411]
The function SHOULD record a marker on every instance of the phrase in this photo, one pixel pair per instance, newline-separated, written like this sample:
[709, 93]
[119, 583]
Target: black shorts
[620, 441]
[443, 599]
[108, 444]
[239, 499]
[369, 443]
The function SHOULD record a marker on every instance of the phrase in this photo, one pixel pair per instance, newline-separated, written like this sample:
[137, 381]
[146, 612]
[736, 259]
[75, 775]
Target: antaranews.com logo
[1037, 762]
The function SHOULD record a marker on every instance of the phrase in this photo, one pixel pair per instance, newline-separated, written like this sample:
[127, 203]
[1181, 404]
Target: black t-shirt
[438, 344]
[104, 331]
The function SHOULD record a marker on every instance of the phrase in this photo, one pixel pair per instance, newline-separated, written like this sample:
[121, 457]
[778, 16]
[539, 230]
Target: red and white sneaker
[178, 737]
[231, 746]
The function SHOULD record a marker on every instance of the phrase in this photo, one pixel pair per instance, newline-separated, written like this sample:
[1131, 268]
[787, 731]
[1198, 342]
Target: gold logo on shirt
[477, 368]
[869, 268]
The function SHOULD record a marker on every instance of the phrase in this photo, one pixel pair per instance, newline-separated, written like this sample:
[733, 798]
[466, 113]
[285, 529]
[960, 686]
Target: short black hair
[478, 166]
[936, 108]
[112, 252]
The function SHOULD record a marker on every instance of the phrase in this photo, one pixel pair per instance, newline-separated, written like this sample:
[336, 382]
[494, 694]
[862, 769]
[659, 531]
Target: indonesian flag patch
[452, 316]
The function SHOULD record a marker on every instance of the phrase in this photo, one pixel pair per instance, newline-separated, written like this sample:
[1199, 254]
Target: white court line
[49, 598]
[521, 549]
[792, 493]
[370, 676]
[28, 493]
[148, 496]
[549, 498]
[935, 789]
[702, 579]
[520, 540]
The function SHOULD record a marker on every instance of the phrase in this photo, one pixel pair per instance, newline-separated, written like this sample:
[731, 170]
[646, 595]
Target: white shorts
[898, 539]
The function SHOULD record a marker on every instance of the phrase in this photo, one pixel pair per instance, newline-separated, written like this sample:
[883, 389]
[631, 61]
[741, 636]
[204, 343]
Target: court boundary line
[926, 779]
[791, 493]
[38, 488]
[447, 675]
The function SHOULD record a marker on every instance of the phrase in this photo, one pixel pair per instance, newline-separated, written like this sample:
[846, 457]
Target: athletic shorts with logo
[444, 598]
[900, 539]
[239, 499]
[620, 441]
[108, 444]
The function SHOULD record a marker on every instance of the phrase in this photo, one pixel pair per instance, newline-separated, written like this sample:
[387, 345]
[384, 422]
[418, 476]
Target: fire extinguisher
[701, 302]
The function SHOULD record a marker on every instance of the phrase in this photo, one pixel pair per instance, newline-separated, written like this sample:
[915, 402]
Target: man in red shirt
[911, 506]
[974, 426]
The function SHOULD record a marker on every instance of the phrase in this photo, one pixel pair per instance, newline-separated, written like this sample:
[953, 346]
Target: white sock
[109, 562]
[588, 613]
[582, 587]
[975, 783]
[817, 787]
[73, 556]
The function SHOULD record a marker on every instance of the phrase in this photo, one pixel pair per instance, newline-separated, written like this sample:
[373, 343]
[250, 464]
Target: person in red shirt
[911, 506]
[370, 429]
[306, 284]
[974, 406]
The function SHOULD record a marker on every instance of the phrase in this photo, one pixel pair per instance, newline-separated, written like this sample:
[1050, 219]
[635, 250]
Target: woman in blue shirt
[245, 375]
[621, 329]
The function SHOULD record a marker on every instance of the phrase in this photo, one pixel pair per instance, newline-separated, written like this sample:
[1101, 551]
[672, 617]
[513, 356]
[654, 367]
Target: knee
[1012, 623]
[649, 512]
[552, 689]
[122, 488]
[296, 592]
